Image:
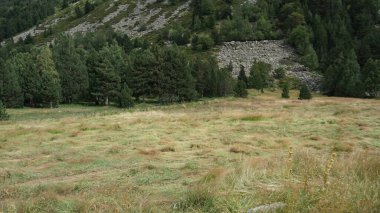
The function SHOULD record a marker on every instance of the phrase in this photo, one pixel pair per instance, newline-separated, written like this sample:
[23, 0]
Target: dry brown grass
[223, 155]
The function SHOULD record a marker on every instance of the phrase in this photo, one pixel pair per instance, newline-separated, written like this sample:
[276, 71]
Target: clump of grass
[55, 131]
[75, 134]
[198, 199]
[345, 111]
[342, 147]
[192, 165]
[168, 149]
[114, 150]
[253, 118]
[150, 152]
[238, 149]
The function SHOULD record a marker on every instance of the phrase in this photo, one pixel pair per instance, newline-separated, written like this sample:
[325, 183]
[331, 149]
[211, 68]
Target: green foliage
[291, 81]
[177, 83]
[71, 68]
[3, 114]
[279, 73]
[259, 77]
[78, 12]
[18, 15]
[210, 81]
[203, 14]
[236, 29]
[300, 39]
[50, 89]
[202, 42]
[88, 7]
[145, 76]
[241, 89]
[343, 76]
[371, 77]
[125, 98]
[104, 79]
[179, 35]
[304, 93]
[310, 59]
[242, 75]
[10, 92]
[263, 29]
[200, 199]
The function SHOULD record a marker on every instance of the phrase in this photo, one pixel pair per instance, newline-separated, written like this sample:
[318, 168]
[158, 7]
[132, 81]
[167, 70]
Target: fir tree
[304, 93]
[241, 89]
[285, 91]
[230, 67]
[242, 75]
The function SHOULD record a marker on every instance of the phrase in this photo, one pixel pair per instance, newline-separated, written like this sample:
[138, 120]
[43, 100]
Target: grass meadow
[215, 155]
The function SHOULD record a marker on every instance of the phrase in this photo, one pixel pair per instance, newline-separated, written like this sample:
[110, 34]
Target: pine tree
[259, 75]
[304, 93]
[285, 91]
[3, 113]
[50, 89]
[241, 89]
[72, 70]
[145, 74]
[65, 4]
[88, 7]
[211, 87]
[104, 80]
[242, 75]
[230, 67]
[177, 83]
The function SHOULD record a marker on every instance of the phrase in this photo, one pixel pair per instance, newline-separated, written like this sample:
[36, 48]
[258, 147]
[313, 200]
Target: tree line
[106, 67]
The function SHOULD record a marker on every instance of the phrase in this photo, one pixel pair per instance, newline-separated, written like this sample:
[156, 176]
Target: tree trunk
[51, 104]
[106, 101]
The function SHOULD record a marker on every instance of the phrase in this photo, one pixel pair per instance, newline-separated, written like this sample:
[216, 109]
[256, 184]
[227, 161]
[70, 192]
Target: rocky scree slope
[274, 52]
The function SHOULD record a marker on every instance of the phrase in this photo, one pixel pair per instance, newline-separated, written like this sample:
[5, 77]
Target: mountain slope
[134, 18]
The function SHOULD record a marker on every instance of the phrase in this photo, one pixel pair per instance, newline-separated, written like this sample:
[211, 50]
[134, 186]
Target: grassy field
[222, 155]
